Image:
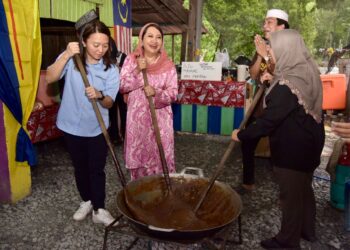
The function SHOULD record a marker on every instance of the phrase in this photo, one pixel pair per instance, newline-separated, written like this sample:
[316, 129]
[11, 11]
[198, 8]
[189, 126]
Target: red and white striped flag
[122, 25]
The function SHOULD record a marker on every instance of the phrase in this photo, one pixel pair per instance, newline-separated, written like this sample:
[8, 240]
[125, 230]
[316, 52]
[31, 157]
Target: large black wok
[221, 207]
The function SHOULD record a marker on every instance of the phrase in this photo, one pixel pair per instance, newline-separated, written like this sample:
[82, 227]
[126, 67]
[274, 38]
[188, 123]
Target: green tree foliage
[239, 21]
[329, 5]
[233, 24]
[333, 25]
[236, 22]
[209, 41]
[177, 47]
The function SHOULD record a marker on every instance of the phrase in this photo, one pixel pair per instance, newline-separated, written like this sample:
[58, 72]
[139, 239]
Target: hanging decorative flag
[20, 60]
[122, 25]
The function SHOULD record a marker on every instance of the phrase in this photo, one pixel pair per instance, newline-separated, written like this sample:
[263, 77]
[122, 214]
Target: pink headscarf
[163, 64]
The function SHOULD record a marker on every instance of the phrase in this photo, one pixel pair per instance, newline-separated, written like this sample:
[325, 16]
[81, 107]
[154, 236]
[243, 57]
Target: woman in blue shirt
[76, 118]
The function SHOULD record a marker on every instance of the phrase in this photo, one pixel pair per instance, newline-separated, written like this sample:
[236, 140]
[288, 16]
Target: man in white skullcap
[275, 20]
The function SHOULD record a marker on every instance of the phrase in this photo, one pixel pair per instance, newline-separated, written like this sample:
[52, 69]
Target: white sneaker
[84, 209]
[103, 216]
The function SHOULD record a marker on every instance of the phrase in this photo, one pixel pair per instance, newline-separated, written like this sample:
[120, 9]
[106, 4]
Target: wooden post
[183, 47]
[198, 32]
[173, 47]
[191, 31]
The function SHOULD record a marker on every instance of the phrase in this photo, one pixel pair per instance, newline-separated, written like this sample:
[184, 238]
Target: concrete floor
[44, 219]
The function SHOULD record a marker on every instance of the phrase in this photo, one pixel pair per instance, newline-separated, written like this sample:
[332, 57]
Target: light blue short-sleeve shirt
[76, 115]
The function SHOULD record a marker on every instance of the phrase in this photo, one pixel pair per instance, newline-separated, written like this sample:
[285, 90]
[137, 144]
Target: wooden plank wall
[71, 10]
[44, 8]
[53, 44]
[106, 13]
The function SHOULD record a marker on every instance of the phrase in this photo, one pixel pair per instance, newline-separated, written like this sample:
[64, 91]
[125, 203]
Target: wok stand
[216, 241]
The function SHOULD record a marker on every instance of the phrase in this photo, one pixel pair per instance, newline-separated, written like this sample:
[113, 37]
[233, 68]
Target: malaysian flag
[122, 25]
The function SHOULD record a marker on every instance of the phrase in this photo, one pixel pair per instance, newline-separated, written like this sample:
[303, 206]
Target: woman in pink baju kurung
[140, 150]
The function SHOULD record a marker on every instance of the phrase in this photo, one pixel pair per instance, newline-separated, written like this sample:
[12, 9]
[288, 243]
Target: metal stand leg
[216, 242]
[133, 243]
[223, 238]
[107, 229]
[105, 239]
[239, 230]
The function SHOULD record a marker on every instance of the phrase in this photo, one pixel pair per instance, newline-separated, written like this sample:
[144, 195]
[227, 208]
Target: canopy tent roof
[169, 14]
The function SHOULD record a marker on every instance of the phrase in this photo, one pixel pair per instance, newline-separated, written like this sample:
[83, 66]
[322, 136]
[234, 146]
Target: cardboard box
[263, 148]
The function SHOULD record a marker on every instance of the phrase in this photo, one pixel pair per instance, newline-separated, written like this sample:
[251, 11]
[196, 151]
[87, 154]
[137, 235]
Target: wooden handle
[231, 146]
[100, 120]
[157, 133]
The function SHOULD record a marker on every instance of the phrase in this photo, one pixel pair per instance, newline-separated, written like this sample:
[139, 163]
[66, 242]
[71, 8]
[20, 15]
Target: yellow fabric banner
[24, 27]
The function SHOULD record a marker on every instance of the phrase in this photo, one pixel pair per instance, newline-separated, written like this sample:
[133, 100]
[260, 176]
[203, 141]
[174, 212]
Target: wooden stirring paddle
[100, 120]
[157, 133]
[229, 149]
[133, 207]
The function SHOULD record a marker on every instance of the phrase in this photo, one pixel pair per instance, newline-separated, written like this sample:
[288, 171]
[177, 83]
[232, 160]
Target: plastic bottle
[333, 136]
[347, 205]
[344, 158]
[341, 117]
[327, 120]
[334, 118]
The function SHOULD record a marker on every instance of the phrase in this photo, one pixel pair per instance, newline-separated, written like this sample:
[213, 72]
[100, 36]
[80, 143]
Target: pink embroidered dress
[141, 152]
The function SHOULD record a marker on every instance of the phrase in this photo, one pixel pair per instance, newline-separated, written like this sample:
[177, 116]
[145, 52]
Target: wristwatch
[102, 96]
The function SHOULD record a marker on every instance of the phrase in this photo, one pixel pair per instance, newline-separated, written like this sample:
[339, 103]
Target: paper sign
[206, 71]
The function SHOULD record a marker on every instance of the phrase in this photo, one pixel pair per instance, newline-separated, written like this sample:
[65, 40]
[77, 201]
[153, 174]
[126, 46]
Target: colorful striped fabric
[20, 66]
[206, 119]
[209, 107]
[5, 190]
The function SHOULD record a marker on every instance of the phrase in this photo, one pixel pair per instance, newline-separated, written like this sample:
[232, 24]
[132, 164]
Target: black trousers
[248, 147]
[117, 116]
[89, 155]
[248, 158]
[297, 204]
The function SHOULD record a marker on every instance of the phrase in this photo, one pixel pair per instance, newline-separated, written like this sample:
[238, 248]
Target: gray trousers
[297, 204]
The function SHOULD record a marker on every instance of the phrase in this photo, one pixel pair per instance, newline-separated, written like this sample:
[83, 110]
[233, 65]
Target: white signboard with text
[204, 71]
